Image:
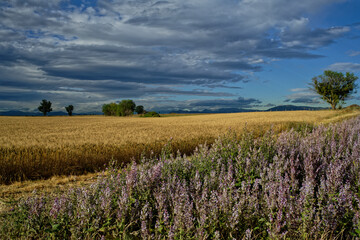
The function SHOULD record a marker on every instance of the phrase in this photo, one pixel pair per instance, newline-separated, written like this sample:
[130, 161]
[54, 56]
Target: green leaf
[55, 227]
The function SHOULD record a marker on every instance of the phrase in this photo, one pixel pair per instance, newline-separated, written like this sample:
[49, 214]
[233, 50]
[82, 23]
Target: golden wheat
[40, 147]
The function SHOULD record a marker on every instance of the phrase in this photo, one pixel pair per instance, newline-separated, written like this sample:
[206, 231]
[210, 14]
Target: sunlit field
[40, 147]
[303, 183]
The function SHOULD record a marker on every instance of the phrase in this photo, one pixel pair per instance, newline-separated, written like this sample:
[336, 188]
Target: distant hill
[21, 113]
[293, 108]
[236, 110]
[352, 107]
[13, 113]
[220, 110]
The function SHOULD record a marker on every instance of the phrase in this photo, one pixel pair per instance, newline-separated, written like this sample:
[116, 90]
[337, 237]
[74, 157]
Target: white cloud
[354, 53]
[345, 67]
[133, 47]
[299, 90]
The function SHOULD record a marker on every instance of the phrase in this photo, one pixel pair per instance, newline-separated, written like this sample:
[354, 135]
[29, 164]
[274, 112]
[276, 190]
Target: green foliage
[126, 108]
[139, 109]
[151, 114]
[110, 109]
[69, 109]
[334, 87]
[45, 107]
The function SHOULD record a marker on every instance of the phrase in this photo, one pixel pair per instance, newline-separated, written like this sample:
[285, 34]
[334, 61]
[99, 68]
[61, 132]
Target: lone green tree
[70, 109]
[139, 109]
[334, 87]
[45, 107]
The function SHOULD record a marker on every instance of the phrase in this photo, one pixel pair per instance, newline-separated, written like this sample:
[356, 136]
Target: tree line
[124, 108]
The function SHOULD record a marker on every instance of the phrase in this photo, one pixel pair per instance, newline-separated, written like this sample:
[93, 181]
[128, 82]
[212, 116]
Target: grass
[41, 147]
[298, 184]
[11, 194]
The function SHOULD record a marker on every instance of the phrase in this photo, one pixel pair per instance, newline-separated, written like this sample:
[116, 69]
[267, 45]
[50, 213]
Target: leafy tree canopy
[45, 107]
[110, 109]
[139, 109]
[334, 87]
[69, 109]
[124, 108]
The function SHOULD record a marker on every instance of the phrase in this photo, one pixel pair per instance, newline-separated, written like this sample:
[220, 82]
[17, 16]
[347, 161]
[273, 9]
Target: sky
[170, 55]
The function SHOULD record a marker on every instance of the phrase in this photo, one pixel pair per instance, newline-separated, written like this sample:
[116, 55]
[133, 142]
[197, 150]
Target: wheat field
[41, 147]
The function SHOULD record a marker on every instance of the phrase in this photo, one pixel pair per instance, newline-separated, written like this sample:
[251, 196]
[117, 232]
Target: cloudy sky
[173, 54]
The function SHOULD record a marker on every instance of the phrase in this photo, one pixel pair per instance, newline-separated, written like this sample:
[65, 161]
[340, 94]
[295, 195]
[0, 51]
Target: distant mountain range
[21, 113]
[236, 110]
[221, 110]
[293, 108]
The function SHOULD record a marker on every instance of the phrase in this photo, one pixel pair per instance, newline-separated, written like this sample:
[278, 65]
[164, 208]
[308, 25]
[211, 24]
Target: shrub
[151, 114]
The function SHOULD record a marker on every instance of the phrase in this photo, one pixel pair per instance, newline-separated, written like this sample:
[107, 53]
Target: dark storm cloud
[18, 95]
[217, 105]
[134, 48]
[10, 35]
[11, 55]
[287, 53]
[32, 14]
[303, 100]
[237, 65]
[8, 55]
[230, 103]
[86, 95]
[136, 74]
[222, 86]
[303, 95]
[169, 91]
